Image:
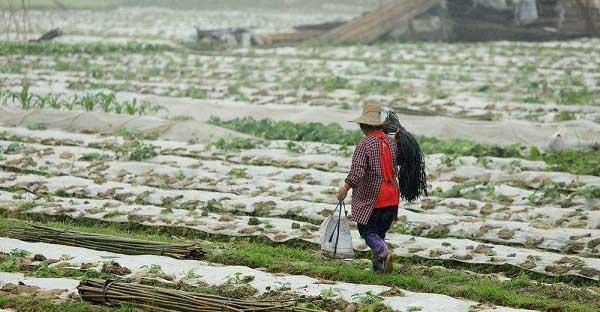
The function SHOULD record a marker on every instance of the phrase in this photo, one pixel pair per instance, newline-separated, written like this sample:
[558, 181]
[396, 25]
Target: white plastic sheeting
[503, 132]
[102, 123]
[580, 135]
[68, 285]
[281, 230]
[174, 188]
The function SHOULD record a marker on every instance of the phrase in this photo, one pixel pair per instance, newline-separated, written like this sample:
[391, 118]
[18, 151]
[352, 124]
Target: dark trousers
[374, 233]
[379, 223]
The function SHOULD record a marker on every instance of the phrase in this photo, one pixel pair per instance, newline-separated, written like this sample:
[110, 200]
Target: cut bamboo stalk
[372, 26]
[105, 242]
[161, 299]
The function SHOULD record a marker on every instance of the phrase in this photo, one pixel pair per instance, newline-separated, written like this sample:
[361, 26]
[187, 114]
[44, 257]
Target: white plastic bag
[336, 240]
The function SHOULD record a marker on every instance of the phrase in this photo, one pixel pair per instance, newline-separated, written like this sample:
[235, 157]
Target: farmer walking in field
[377, 164]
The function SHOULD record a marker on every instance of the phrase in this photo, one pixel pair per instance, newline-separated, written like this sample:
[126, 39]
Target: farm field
[120, 127]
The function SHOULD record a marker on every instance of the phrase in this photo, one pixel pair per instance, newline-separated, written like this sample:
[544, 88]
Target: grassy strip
[587, 163]
[31, 304]
[56, 48]
[521, 292]
[12, 263]
[576, 162]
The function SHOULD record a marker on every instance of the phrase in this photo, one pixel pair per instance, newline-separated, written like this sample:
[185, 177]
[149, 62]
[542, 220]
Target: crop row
[106, 102]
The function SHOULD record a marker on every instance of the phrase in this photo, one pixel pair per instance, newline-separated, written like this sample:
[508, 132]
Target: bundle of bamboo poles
[370, 27]
[105, 242]
[170, 300]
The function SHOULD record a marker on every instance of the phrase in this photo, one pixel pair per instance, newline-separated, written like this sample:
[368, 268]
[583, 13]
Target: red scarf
[389, 194]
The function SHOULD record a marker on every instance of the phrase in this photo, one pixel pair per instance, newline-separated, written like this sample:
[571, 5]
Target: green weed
[294, 148]
[13, 148]
[45, 271]
[95, 156]
[576, 162]
[24, 97]
[139, 151]
[239, 278]
[582, 96]
[238, 173]
[367, 298]
[564, 116]
[36, 126]
[88, 102]
[9, 265]
[106, 102]
[30, 304]
[590, 192]
[131, 107]
[27, 205]
[155, 269]
[181, 118]
[380, 87]
[329, 293]
[193, 93]
[19, 253]
[548, 194]
[56, 48]
[234, 144]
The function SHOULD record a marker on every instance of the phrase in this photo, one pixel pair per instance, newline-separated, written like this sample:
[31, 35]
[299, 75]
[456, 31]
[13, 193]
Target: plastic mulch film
[83, 121]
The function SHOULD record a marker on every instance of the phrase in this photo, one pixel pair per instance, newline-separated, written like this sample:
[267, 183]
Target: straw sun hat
[371, 115]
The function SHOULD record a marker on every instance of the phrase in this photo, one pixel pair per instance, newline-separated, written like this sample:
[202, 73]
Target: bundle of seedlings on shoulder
[169, 300]
[412, 174]
[105, 242]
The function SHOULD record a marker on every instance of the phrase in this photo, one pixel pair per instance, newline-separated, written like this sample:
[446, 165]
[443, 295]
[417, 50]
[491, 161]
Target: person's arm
[343, 192]
[357, 170]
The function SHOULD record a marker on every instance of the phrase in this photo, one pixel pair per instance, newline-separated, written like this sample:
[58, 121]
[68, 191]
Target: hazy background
[207, 4]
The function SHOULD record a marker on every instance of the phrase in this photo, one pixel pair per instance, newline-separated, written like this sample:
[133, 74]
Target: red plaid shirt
[365, 176]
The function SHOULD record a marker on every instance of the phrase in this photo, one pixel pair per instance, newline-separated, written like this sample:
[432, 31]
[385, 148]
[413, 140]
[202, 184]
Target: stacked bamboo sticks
[169, 300]
[105, 242]
[370, 27]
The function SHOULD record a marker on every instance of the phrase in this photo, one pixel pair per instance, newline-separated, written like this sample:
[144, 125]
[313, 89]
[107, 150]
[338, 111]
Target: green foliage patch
[57, 48]
[234, 144]
[577, 162]
[572, 161]
[287, 130]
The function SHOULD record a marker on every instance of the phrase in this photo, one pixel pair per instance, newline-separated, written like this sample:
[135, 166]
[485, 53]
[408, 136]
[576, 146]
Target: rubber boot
[378, 265]
[379, 250]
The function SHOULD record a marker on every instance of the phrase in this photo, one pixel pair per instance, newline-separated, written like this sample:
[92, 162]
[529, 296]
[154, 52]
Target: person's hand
[343, 192]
